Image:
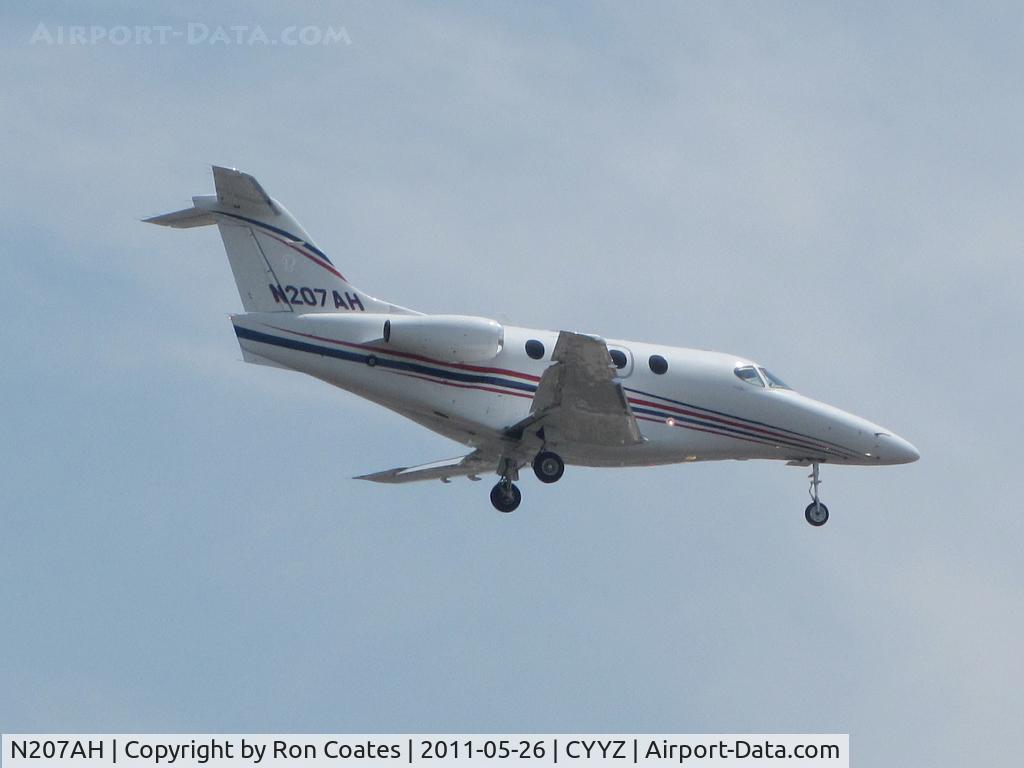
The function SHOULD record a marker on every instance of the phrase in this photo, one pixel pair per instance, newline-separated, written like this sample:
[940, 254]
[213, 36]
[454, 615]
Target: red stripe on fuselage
[793, 439]
[460, 385]
[700, 429]
[789, 438]
[409, 356]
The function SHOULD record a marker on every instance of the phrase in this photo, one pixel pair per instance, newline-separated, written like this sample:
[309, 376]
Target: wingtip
[377, 477]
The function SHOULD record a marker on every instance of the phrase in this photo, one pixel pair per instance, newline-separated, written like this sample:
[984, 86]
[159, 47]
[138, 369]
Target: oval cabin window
[535, 349]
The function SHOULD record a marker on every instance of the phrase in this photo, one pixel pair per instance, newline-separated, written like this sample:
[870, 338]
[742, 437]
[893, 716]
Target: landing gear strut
[548, 467]
[505, 496]
[816, 513]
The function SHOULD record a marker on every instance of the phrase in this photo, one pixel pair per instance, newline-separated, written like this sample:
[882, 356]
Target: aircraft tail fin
[276, 265]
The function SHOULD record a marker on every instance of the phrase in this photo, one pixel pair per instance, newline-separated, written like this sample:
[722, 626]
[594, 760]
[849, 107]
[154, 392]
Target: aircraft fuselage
[698, 409]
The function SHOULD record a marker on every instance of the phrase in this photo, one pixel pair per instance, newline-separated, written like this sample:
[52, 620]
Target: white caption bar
[424, 750]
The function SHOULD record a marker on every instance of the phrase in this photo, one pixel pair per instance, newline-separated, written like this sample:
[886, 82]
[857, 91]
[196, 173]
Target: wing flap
[578, 397]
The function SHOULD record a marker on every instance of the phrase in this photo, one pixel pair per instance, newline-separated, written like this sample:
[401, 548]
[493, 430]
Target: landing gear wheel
[505, 496]
[816, 514]
[548, 467]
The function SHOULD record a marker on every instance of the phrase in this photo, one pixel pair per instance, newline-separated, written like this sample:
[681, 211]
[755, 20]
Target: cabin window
[535, 349]
[748, 373]
[658, 364]
[618, 358]
[773, 381]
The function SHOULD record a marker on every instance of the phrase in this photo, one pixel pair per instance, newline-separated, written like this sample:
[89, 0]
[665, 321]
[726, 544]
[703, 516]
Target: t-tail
[277, 266]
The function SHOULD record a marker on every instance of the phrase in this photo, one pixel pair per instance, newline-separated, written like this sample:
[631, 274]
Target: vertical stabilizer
[276, 265]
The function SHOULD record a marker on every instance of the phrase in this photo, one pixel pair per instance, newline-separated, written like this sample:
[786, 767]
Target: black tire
[816, 514]
[505, 498]
[548, 467]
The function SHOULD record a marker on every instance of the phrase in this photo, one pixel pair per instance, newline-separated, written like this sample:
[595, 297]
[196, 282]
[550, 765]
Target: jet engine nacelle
[451, 338]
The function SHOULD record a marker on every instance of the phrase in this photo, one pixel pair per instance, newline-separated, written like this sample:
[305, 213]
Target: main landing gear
[548, 467]
[816, 513]
[505, 496]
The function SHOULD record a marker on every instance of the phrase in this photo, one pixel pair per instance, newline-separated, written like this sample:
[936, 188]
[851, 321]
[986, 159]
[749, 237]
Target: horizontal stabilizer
[183, 219]
[238, 190]
[473, 464]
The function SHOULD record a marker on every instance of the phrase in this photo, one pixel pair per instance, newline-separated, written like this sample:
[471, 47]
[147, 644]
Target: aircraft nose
[893, 449]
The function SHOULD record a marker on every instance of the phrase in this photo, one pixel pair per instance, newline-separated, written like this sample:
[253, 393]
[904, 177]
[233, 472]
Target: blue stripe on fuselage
[381, 362]
[470, 378]
[724, 430]
[824, 443]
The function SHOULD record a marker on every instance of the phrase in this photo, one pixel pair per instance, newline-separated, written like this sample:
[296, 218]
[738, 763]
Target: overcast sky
[833, 189]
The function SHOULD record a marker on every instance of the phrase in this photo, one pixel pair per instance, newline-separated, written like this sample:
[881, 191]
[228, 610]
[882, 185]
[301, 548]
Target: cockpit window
[774, 381]
[748, 373]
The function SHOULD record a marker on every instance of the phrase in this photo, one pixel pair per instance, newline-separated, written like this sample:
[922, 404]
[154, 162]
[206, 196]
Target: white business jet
[516, 396]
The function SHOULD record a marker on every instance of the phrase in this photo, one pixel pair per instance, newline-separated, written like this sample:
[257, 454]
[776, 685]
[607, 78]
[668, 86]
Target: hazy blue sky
[833, 189]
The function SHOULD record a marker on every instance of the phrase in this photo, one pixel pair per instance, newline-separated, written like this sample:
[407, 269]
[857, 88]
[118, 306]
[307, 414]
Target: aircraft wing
[578, 399]
[473, 464]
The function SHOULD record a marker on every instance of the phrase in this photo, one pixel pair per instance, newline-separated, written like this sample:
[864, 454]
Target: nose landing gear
[816, 513]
